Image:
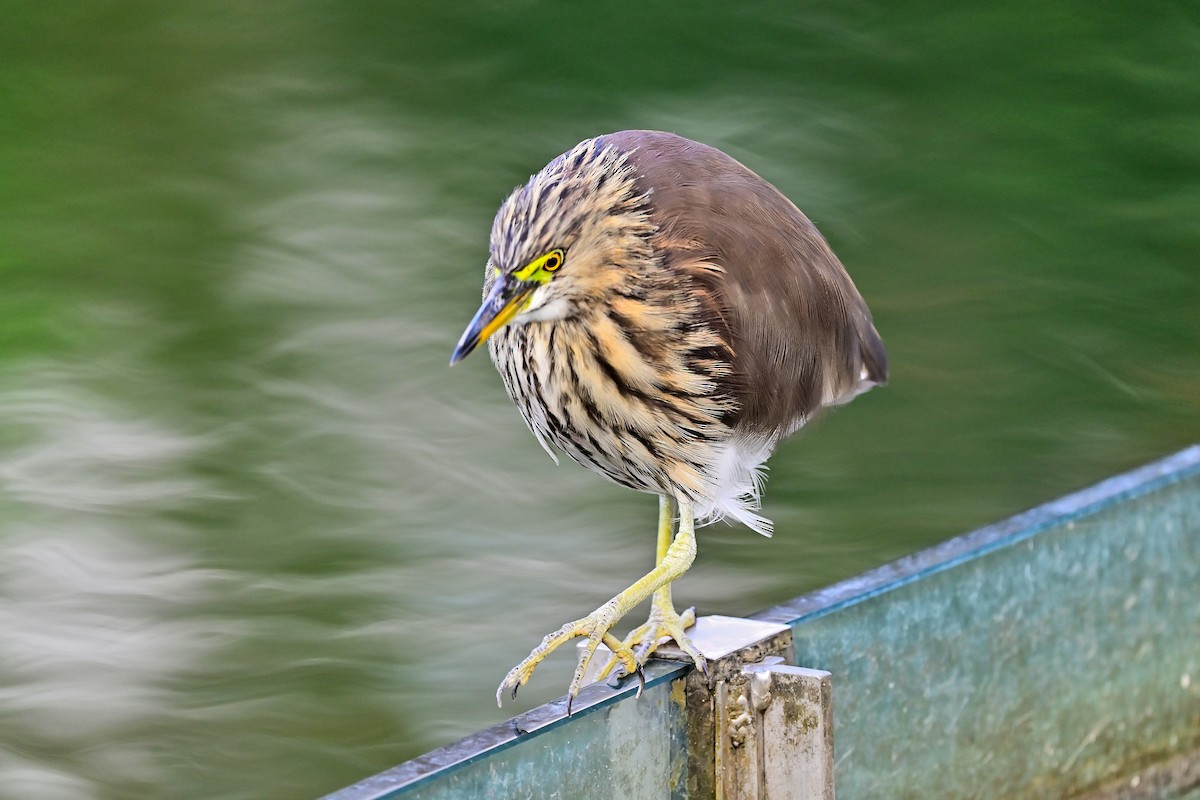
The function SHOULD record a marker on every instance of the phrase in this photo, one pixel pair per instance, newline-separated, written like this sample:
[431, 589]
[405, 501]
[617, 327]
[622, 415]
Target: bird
[665, 317]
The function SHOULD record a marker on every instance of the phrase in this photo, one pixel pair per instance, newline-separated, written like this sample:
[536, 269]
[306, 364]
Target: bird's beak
[507, 298]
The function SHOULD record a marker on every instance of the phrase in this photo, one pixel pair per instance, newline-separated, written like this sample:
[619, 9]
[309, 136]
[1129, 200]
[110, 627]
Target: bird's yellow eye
[542, 269]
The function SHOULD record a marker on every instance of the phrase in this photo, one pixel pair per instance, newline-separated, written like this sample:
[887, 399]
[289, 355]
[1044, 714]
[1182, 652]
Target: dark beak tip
[470, 341]
[462, 350]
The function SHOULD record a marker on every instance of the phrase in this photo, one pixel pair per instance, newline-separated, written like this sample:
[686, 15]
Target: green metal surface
[1044, 657]
[1055, 652]
[615, 745]
[628, 749]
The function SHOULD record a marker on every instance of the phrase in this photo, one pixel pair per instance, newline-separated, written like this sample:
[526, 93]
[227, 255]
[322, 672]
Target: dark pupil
[552, 263]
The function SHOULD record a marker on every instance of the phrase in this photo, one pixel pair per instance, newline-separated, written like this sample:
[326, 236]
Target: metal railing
[1054, 654]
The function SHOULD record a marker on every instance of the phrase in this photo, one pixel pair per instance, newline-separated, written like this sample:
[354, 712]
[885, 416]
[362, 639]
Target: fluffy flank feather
[737, 491]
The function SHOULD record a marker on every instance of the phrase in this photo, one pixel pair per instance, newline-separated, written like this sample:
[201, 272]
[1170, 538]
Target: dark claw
[570, 700]
[641, 681]
[514, 691]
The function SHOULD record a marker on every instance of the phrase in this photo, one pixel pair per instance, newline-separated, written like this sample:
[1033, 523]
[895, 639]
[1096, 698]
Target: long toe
[595, 628]
[663, 625]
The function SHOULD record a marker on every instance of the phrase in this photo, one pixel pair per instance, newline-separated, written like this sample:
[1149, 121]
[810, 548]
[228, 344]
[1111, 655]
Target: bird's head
[561, 242]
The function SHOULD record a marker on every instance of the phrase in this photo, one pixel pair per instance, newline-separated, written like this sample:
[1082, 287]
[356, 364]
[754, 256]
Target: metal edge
[490, 741]
[1142, 480]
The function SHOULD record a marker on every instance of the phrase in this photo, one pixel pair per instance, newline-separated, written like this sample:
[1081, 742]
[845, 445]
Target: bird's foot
[595, 627]
[664, 624]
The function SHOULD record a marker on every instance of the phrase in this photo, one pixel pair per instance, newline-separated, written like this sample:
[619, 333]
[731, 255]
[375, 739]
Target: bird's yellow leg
[676, 559]
[664, 623]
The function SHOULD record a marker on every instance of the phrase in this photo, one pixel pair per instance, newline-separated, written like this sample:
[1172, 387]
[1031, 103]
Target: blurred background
[258, 541]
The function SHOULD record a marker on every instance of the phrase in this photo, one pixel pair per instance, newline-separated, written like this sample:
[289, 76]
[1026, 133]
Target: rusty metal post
[786, 729]
[757, 728]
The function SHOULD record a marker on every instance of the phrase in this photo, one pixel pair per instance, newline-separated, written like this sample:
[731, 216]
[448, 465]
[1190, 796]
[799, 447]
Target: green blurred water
[257, 541]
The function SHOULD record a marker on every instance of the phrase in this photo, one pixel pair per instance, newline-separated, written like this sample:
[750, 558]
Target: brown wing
[801, 333]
